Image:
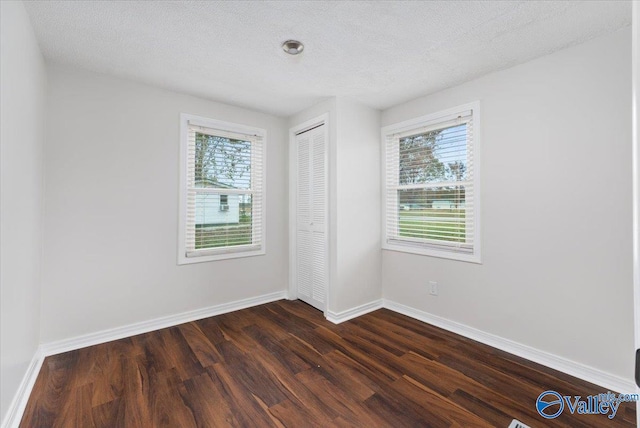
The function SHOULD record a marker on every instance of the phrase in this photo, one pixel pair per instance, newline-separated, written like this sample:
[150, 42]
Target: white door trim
[293, 185]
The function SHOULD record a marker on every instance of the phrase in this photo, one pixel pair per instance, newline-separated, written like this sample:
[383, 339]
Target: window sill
[183, 260]
[423, 250]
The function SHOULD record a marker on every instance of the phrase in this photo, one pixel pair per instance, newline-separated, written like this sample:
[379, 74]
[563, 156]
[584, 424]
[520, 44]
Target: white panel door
[311, 218]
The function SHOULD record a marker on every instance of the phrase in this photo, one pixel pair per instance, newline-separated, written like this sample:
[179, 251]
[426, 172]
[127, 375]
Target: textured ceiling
[382, 53]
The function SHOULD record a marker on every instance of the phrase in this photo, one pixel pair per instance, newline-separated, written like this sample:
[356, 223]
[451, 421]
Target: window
[431, 187]
[224, 202]
[222, 190]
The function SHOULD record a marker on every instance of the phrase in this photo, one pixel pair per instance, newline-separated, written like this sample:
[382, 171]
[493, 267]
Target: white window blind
[223, 191]
[431, 186]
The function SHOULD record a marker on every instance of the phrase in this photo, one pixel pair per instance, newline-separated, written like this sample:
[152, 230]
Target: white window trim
[229, 252]
[425, 121]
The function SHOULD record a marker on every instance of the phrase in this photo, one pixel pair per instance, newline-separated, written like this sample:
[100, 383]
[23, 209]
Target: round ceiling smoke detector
[292, 47]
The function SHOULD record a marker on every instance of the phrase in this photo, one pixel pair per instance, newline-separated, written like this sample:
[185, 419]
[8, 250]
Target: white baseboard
[590, 374]
[19, 403]
[338, 317]
[116, 333]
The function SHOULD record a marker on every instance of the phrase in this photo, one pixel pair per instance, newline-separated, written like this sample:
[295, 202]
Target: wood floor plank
[169, 409]
[293, 362]
[480, 408]
[373, 363]
[363, 336]
[435, 406]
[208, 407]
[254, 377]
[51, 390]
[211, 329]
[77, 411]
[179, 354]
[391, 411]
[304, 311]
[108, 381]
[266, 324]
[342, 404]
[202, 348]
[136, 392]
[292, 414]
[288, 381]
[283, 365]
[110, 414]
[245, 407]
[410, 340]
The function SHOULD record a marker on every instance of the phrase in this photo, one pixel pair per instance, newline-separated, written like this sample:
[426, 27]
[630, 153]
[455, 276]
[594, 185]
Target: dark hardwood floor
[282, 364]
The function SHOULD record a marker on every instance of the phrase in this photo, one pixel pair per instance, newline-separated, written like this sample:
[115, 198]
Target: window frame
[225, 204]
[432, 120]
[222, 253]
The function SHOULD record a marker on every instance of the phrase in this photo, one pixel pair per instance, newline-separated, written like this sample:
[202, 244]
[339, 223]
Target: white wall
[354, 201]
[556, 212]
[111, 206]
[22, 99]
[358, 206]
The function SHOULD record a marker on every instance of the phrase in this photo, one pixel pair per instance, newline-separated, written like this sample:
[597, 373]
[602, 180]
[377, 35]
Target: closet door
[311, 217]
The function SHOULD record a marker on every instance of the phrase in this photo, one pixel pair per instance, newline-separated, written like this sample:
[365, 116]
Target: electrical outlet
[433, 288]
